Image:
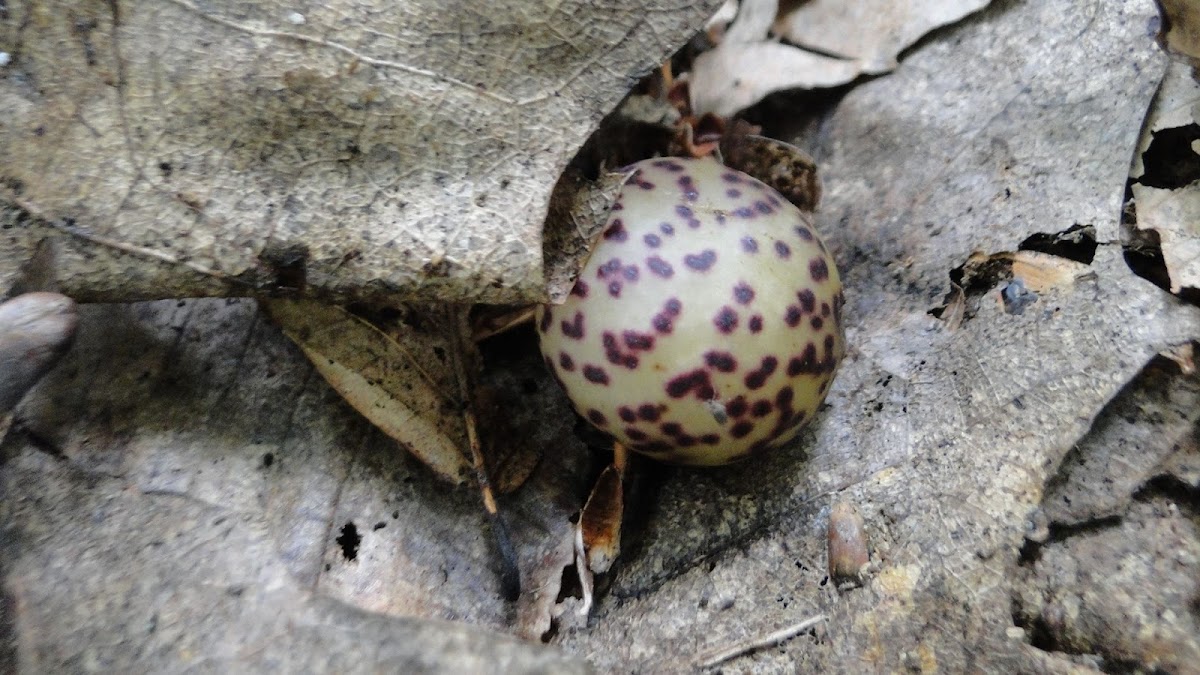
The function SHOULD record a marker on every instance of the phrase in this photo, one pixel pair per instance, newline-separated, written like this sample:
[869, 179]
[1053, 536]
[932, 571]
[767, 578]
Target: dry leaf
[200, 456]
[401, 382]
[408, 149]
[871, 33]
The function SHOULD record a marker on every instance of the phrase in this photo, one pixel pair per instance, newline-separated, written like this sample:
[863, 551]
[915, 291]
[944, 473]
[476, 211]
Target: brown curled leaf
[849, 551]
[784, 167]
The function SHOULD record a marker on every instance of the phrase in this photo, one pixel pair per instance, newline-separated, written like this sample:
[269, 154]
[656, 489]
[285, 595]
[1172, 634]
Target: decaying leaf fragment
[403, 383]
[1165, 178]
[35, 330]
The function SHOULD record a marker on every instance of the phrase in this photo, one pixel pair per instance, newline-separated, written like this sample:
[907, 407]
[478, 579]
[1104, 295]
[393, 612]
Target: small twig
[720, 656]
[510, 575]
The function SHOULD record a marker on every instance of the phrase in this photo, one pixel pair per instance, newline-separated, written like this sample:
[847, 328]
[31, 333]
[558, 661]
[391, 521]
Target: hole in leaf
[1170, 162]
[1077, 243]
[349, 541]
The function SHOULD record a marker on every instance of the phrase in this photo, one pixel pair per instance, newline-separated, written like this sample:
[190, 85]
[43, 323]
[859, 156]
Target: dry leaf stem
[722, 655]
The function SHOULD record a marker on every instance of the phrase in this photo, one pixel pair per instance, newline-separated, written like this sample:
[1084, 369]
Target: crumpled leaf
[346, 150]
[1182, 33]
[872, 33]
[827, 43]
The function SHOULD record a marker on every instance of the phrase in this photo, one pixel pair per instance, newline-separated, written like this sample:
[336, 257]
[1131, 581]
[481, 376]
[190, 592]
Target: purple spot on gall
[580, 289]
[755, 379]
[749, 245]
[652, 240]
[743, 212]
[660, 267]
[685, 441]
[595, 374]
[596, 417]
[547, 319]
[773, 200]
[635, 434]
[669, 165]
[783, 250]
[672, 429]
[565, 360]
[823, 386]
[818, 269]
[793, 316]
[611, 267]
[722, 361]
[574, 328]
[808, 300]
[682, 385]
[804, 233]
[762, 207]
[635, 340]
[616, 231]
[614, 289]
[617, 206]
[701, 262]
[666, 228]
[784, 398]
[755, 323]
[733, 193]
[673, 307]
[731, 177]
[684, 212]
[689, 188]
[761, 408]
[726, 320]
[642, 183]
[662, 323]
[829, 346]
[824, 309]
[626, 413]
[737, 407]
[710, 439]
[630, 272]
[817, 323]
[743, 293]
[650, 412]
[741, 429]
[805, 363]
